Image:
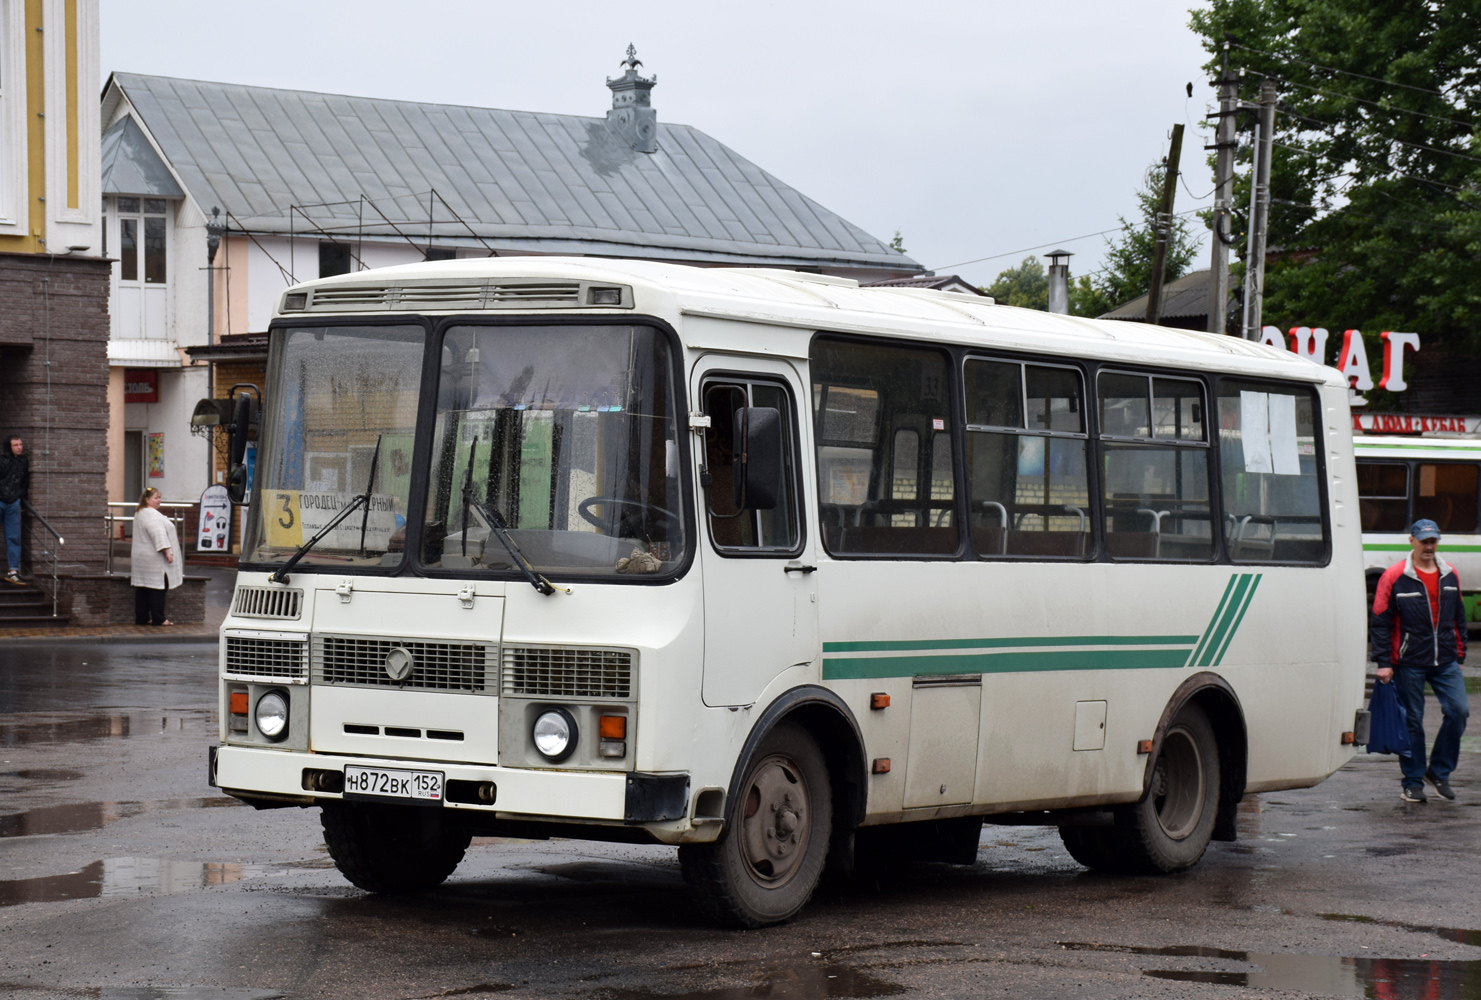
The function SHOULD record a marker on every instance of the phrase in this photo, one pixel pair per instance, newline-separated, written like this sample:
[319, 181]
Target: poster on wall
[214, 521]
[156, 456]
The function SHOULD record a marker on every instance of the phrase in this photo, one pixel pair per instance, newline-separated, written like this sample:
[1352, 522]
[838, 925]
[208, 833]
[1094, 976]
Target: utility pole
[1164, 225]
[1223, 147]
[1254, 270]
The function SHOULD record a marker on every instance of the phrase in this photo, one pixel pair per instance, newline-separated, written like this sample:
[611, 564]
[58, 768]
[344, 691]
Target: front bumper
[612, 797]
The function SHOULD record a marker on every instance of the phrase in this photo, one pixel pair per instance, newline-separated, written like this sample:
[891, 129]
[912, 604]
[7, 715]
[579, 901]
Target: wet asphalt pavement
[123, 876]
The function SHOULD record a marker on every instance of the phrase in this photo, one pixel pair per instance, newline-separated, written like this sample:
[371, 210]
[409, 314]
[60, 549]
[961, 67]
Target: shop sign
[1352, 360]
[140, 385]
[1410, 423]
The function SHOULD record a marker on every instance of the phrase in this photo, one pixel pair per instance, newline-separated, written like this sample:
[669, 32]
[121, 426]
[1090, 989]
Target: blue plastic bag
[1389, 726]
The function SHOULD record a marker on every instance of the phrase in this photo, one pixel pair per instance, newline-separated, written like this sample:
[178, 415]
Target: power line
[1072, 239]
[1377, 104]
[1394, 173]
[1285, 60]
[1401, 142]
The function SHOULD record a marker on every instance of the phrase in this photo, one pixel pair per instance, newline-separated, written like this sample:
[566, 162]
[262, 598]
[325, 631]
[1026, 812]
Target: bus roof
[809, 303]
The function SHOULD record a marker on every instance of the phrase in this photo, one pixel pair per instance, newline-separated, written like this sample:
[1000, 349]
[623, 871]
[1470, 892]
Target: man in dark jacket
[15, 478]
[1418, 633]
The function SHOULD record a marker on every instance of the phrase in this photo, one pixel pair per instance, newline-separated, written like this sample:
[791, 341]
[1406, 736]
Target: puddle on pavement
[141, 992]
[1327, 975]
[93, 727]
[818, 980]
[80, 816]
[1455, 934]
[127, 877]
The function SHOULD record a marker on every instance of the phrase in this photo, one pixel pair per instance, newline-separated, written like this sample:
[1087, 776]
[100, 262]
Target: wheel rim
[776, 821]
[1177, 784]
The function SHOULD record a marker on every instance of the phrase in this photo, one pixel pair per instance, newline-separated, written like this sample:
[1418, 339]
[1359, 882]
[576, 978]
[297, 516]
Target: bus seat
[1046, 543]
[1131, 544]
[989, 539]
[895, 541]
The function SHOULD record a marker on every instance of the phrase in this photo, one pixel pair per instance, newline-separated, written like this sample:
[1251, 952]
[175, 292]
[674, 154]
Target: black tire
[1096, 847]
[1169, 829]
[385, 848]
[767, 862]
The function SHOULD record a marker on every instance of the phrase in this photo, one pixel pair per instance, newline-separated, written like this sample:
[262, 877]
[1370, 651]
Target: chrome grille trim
[360, 661]
[454, 295]
[279, 656]
[567, 672]
[267, 602]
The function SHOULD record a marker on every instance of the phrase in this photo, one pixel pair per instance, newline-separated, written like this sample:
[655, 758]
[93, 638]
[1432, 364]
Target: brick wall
[60, 408]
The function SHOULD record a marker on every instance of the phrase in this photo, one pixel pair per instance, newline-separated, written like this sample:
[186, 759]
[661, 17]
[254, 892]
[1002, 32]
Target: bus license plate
[388, 783]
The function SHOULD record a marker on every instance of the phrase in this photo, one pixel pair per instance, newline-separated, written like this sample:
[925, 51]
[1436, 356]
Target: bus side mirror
[236, 447]
[236, 484]
[758, 457]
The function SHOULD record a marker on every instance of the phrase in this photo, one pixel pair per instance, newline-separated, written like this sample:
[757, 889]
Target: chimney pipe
[632, 115]
[1059, 281]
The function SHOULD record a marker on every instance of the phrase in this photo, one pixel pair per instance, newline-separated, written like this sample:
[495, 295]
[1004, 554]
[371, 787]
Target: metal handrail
[178, 507]
[36, 518]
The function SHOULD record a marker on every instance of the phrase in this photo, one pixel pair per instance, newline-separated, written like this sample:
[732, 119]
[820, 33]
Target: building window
[334, 258]
[141, 238]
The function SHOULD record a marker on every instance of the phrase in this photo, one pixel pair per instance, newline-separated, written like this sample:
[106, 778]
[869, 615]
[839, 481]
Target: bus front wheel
[386, 848]
[766, 864]
[1169, 829]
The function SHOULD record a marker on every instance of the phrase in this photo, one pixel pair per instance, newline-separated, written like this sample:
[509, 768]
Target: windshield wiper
[281, 575]
[501, 530]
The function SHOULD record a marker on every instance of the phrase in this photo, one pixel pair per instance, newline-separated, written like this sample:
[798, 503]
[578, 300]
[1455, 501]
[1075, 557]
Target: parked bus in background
[1402, 479]
[780, 571]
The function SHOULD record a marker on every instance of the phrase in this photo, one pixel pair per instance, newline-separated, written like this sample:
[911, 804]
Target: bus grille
[436, 666]
[267, 602]
[563, 672]
[474, 295]
[253, 656]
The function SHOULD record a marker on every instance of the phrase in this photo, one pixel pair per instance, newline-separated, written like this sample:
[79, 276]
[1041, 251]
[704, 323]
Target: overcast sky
[979, 130]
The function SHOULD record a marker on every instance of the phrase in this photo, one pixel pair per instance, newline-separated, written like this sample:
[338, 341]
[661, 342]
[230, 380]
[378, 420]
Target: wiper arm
[281, 575]
[375, 458]
[501, 530]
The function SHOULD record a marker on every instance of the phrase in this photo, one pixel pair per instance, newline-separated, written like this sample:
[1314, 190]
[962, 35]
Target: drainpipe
[213, 243]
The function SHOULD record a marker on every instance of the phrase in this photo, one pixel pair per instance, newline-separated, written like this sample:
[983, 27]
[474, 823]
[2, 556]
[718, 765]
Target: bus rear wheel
[385, 848]
[1170, 828]
[767, 863]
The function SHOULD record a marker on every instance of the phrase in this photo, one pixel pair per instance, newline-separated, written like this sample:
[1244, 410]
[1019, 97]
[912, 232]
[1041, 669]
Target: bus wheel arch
[801, 767]
[1213, 694]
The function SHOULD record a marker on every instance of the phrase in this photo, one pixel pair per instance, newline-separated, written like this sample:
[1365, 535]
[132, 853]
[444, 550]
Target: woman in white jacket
[156, 560]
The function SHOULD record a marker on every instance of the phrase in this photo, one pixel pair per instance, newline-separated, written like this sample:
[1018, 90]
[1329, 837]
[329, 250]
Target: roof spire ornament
[632, 116]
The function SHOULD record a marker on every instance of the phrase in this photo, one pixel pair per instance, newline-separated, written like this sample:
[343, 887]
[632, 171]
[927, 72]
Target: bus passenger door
[759, 596]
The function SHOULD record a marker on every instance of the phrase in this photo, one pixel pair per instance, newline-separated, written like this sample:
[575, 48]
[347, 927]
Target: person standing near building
[1418, 633]
[155, 561]
[15, 479]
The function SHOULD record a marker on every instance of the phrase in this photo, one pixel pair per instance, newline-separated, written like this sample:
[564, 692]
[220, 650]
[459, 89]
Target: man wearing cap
[1418, 634]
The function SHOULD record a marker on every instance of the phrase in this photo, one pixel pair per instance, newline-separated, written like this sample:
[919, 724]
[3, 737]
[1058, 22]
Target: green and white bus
[780, 571]
[1402, 479]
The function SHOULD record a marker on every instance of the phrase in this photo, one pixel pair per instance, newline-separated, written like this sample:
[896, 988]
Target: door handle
[799, 568]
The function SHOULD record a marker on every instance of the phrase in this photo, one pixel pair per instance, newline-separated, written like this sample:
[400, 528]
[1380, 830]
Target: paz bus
[777, 570]
[1402, 479]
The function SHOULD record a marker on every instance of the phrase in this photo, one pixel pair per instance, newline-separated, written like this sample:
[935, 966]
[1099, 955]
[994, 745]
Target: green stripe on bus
[853, 668]
[1249, 597]
[1404, 547]
[1203, 640]
[1226, 619]
[1053, 640]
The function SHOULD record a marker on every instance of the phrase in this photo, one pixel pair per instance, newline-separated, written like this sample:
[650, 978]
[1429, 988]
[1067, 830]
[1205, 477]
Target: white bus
[1402, 479]
[777, 570]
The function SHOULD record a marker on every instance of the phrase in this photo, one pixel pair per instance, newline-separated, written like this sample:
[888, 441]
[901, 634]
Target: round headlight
[555, 734]
[272, 715]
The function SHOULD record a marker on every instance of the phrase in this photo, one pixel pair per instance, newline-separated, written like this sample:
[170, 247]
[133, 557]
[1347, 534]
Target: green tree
[1126, 270]
[897, 243]
[1377, 168]
[1026, 285]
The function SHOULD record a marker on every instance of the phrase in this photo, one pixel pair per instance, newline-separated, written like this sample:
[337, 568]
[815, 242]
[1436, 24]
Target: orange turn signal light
[238, 702]
[1348, 739]
[613, 727]
[879, 700]
[881, 765]
[1143, 746]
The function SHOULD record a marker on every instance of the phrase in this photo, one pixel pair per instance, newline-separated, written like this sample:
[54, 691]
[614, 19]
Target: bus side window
[730, 527]
[1446, 494]
[885, 479]
[1383, 496]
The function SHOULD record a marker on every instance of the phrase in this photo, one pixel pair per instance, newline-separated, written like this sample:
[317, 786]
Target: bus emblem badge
[399, 662]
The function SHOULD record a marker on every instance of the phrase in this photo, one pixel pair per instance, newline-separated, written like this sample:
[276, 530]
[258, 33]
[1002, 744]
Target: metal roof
[520, 180]
[1185, 297]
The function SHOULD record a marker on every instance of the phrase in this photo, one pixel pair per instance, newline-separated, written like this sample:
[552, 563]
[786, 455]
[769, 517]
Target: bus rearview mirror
[241, 425]
[758, 457]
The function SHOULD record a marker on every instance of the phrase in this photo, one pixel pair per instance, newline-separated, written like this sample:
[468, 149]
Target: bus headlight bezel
[271, 715]
[555, 734]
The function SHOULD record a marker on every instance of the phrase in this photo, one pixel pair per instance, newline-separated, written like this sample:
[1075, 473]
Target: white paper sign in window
[1254, 431]
[1283, 435]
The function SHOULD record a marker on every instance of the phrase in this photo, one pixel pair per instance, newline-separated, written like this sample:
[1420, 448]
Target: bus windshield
[340, 423]
[560, 442]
